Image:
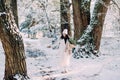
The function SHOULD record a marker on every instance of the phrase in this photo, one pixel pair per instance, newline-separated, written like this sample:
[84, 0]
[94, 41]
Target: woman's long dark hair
[65, 38]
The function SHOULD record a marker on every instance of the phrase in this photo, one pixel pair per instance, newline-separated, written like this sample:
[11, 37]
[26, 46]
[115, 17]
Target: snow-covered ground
[43, 62]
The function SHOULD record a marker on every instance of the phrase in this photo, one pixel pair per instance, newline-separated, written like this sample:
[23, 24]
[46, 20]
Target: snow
[43, 61]
[2, 13]
[47, 67]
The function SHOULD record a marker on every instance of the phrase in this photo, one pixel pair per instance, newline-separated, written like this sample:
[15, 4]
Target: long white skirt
[66, 59]
[65, 55]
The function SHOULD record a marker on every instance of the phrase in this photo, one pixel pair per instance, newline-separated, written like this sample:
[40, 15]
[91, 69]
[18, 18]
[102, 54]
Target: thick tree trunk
[12, 43]
[87, 42]
[65, 15]
[78, 25]
[97, 32]
[81, 16]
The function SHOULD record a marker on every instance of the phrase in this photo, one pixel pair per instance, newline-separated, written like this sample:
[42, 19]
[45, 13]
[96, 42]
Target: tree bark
[96, 22]
[78, 25]
[97, 32]
[81, 17]
[65, 15]
[14, 10]
[12, 43]
[87, 42]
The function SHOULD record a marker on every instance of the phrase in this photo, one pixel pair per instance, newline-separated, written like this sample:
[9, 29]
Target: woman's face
[65, 32]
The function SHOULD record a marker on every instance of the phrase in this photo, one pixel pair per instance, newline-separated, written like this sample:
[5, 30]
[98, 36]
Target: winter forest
[59, 40]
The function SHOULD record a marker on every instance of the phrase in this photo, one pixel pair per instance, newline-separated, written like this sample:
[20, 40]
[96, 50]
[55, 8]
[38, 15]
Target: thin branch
[116, 5]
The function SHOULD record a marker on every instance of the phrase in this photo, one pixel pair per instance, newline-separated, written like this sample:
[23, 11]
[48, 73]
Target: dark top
[65, 38]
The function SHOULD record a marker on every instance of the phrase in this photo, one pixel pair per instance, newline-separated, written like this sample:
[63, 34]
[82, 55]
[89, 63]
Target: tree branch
[116, 4]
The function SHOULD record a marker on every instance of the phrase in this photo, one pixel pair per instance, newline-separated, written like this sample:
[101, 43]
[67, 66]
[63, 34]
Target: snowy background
[43, 63]
[44, 59]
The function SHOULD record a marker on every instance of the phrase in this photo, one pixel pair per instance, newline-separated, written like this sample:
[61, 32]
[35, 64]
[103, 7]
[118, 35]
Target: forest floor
[43, 62]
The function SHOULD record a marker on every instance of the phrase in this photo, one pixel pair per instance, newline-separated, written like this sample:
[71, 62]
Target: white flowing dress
[66, 54]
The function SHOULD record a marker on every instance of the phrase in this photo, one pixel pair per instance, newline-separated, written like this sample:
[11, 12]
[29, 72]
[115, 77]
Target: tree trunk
[65, 15]
[81, 16]
[87, 42]
[14, 10]
[12, 43]
[78, 25]
[97, 32]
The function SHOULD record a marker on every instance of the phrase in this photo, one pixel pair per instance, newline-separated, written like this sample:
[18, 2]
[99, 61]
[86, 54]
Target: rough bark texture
[85, 12]
[77, 19]
[65, 15]
[81, 16]
[97, 32]
[14, 10]
[87, 42]
[12, 43]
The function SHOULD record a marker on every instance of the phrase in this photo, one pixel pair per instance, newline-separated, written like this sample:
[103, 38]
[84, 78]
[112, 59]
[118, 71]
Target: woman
[67, 51]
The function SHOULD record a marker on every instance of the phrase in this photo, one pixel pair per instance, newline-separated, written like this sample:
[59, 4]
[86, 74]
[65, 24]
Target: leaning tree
[12, 43]
[89, 42]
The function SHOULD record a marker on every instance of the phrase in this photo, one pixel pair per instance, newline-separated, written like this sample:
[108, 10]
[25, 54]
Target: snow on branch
[93, 22]
[2, 13]
[86, 47]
